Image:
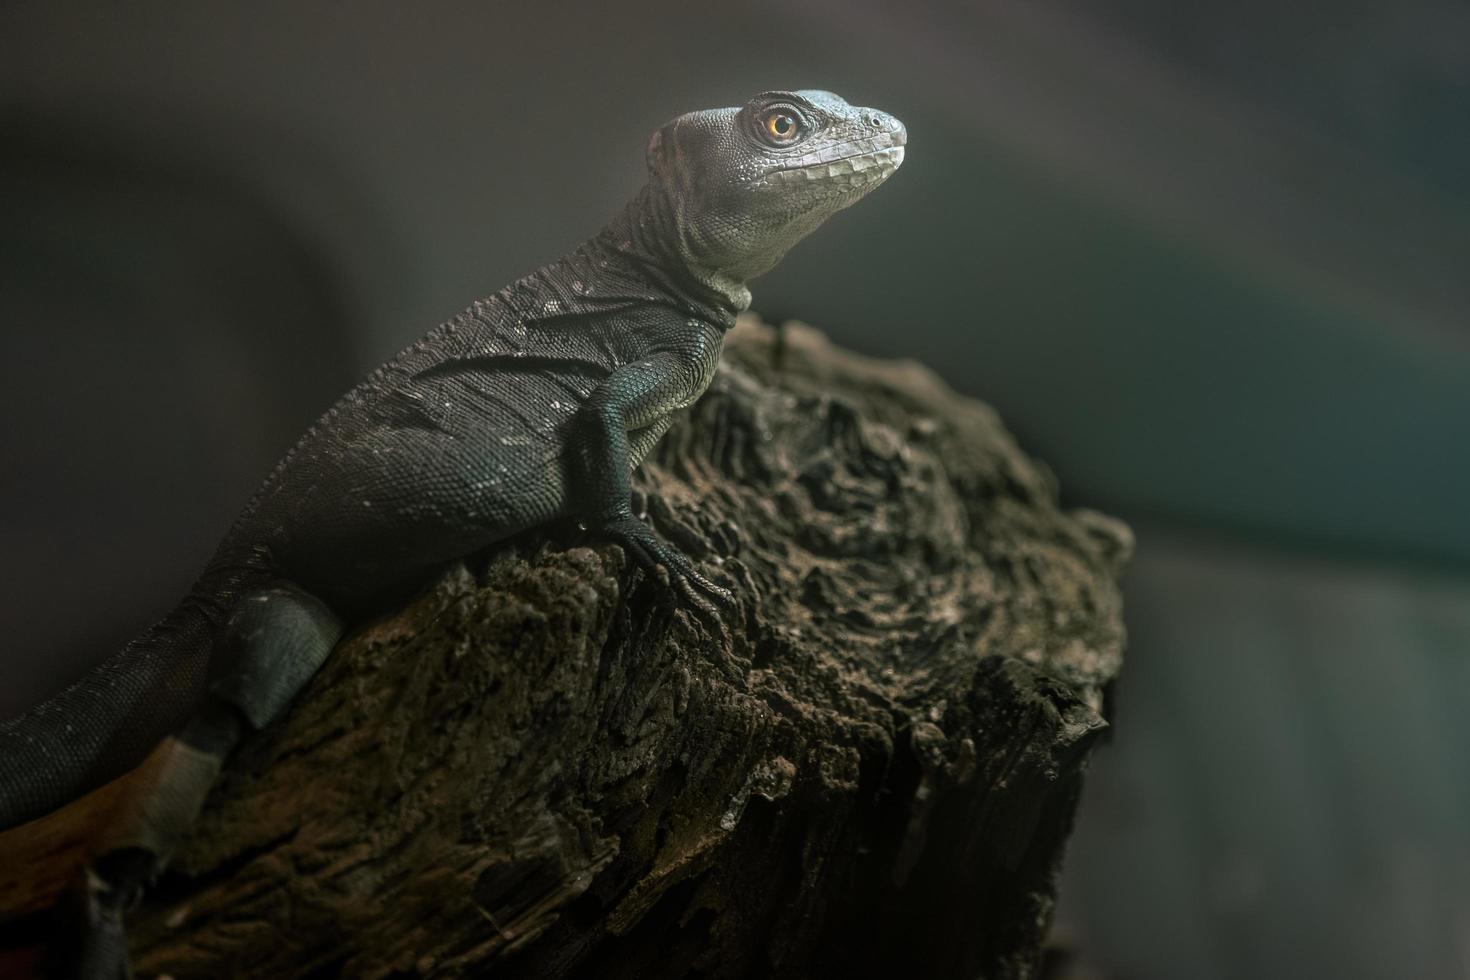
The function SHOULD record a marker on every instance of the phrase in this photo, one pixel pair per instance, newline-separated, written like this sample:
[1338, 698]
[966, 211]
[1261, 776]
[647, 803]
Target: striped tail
[108, 721]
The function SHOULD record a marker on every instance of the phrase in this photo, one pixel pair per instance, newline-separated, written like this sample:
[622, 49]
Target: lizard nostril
[876, 121]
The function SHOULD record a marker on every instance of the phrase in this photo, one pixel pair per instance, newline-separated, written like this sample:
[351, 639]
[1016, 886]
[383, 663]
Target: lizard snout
[884, 123]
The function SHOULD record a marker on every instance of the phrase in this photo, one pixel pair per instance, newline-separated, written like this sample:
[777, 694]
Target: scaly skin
[533, 404]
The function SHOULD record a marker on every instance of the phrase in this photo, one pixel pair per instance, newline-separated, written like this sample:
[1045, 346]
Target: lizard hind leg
[274, 641]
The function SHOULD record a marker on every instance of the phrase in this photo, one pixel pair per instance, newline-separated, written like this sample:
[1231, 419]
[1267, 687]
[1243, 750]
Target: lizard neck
[646, 234]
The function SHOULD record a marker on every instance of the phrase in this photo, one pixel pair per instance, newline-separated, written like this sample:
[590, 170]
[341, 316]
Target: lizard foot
[89, 941]
[673, 567]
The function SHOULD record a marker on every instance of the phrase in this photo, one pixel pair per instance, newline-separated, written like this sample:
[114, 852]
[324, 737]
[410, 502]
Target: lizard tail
[108, 721]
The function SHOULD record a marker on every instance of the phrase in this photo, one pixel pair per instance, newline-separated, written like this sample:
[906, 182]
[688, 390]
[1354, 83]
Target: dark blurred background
[1210, 261]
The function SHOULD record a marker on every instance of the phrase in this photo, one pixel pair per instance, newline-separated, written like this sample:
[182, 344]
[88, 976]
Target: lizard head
[742, 185]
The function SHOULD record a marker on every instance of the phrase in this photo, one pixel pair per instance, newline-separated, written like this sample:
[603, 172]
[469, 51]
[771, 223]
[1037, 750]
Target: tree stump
[544, 766]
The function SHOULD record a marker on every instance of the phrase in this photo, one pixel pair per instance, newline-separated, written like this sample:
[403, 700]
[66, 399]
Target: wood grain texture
[541, 768]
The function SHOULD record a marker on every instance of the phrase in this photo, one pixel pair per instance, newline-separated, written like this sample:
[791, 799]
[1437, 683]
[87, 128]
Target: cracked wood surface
[540, 767]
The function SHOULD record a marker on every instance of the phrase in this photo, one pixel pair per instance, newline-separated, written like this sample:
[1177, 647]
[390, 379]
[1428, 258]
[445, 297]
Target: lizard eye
[780, 126]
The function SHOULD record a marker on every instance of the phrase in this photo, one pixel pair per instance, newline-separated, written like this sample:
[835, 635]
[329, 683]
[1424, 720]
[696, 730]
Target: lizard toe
[671, 566]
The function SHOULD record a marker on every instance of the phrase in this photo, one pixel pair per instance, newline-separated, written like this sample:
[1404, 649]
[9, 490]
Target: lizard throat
[647, 233]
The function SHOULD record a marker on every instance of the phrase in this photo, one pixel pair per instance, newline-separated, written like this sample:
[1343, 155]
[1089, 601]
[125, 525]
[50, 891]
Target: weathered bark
[543, 768]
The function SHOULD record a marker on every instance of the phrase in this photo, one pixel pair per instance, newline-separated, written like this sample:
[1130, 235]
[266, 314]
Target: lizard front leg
[637, 398]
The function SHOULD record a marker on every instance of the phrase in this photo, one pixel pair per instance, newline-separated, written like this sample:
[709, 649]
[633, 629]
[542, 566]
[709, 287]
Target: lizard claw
[673, 568]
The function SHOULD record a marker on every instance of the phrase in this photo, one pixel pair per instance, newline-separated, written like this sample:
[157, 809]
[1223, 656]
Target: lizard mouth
[862, 165]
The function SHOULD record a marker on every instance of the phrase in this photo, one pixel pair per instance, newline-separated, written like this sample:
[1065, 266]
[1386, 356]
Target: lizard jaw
[866, 163]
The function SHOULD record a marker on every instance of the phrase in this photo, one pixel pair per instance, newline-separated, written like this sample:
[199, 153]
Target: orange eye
[781, 126]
